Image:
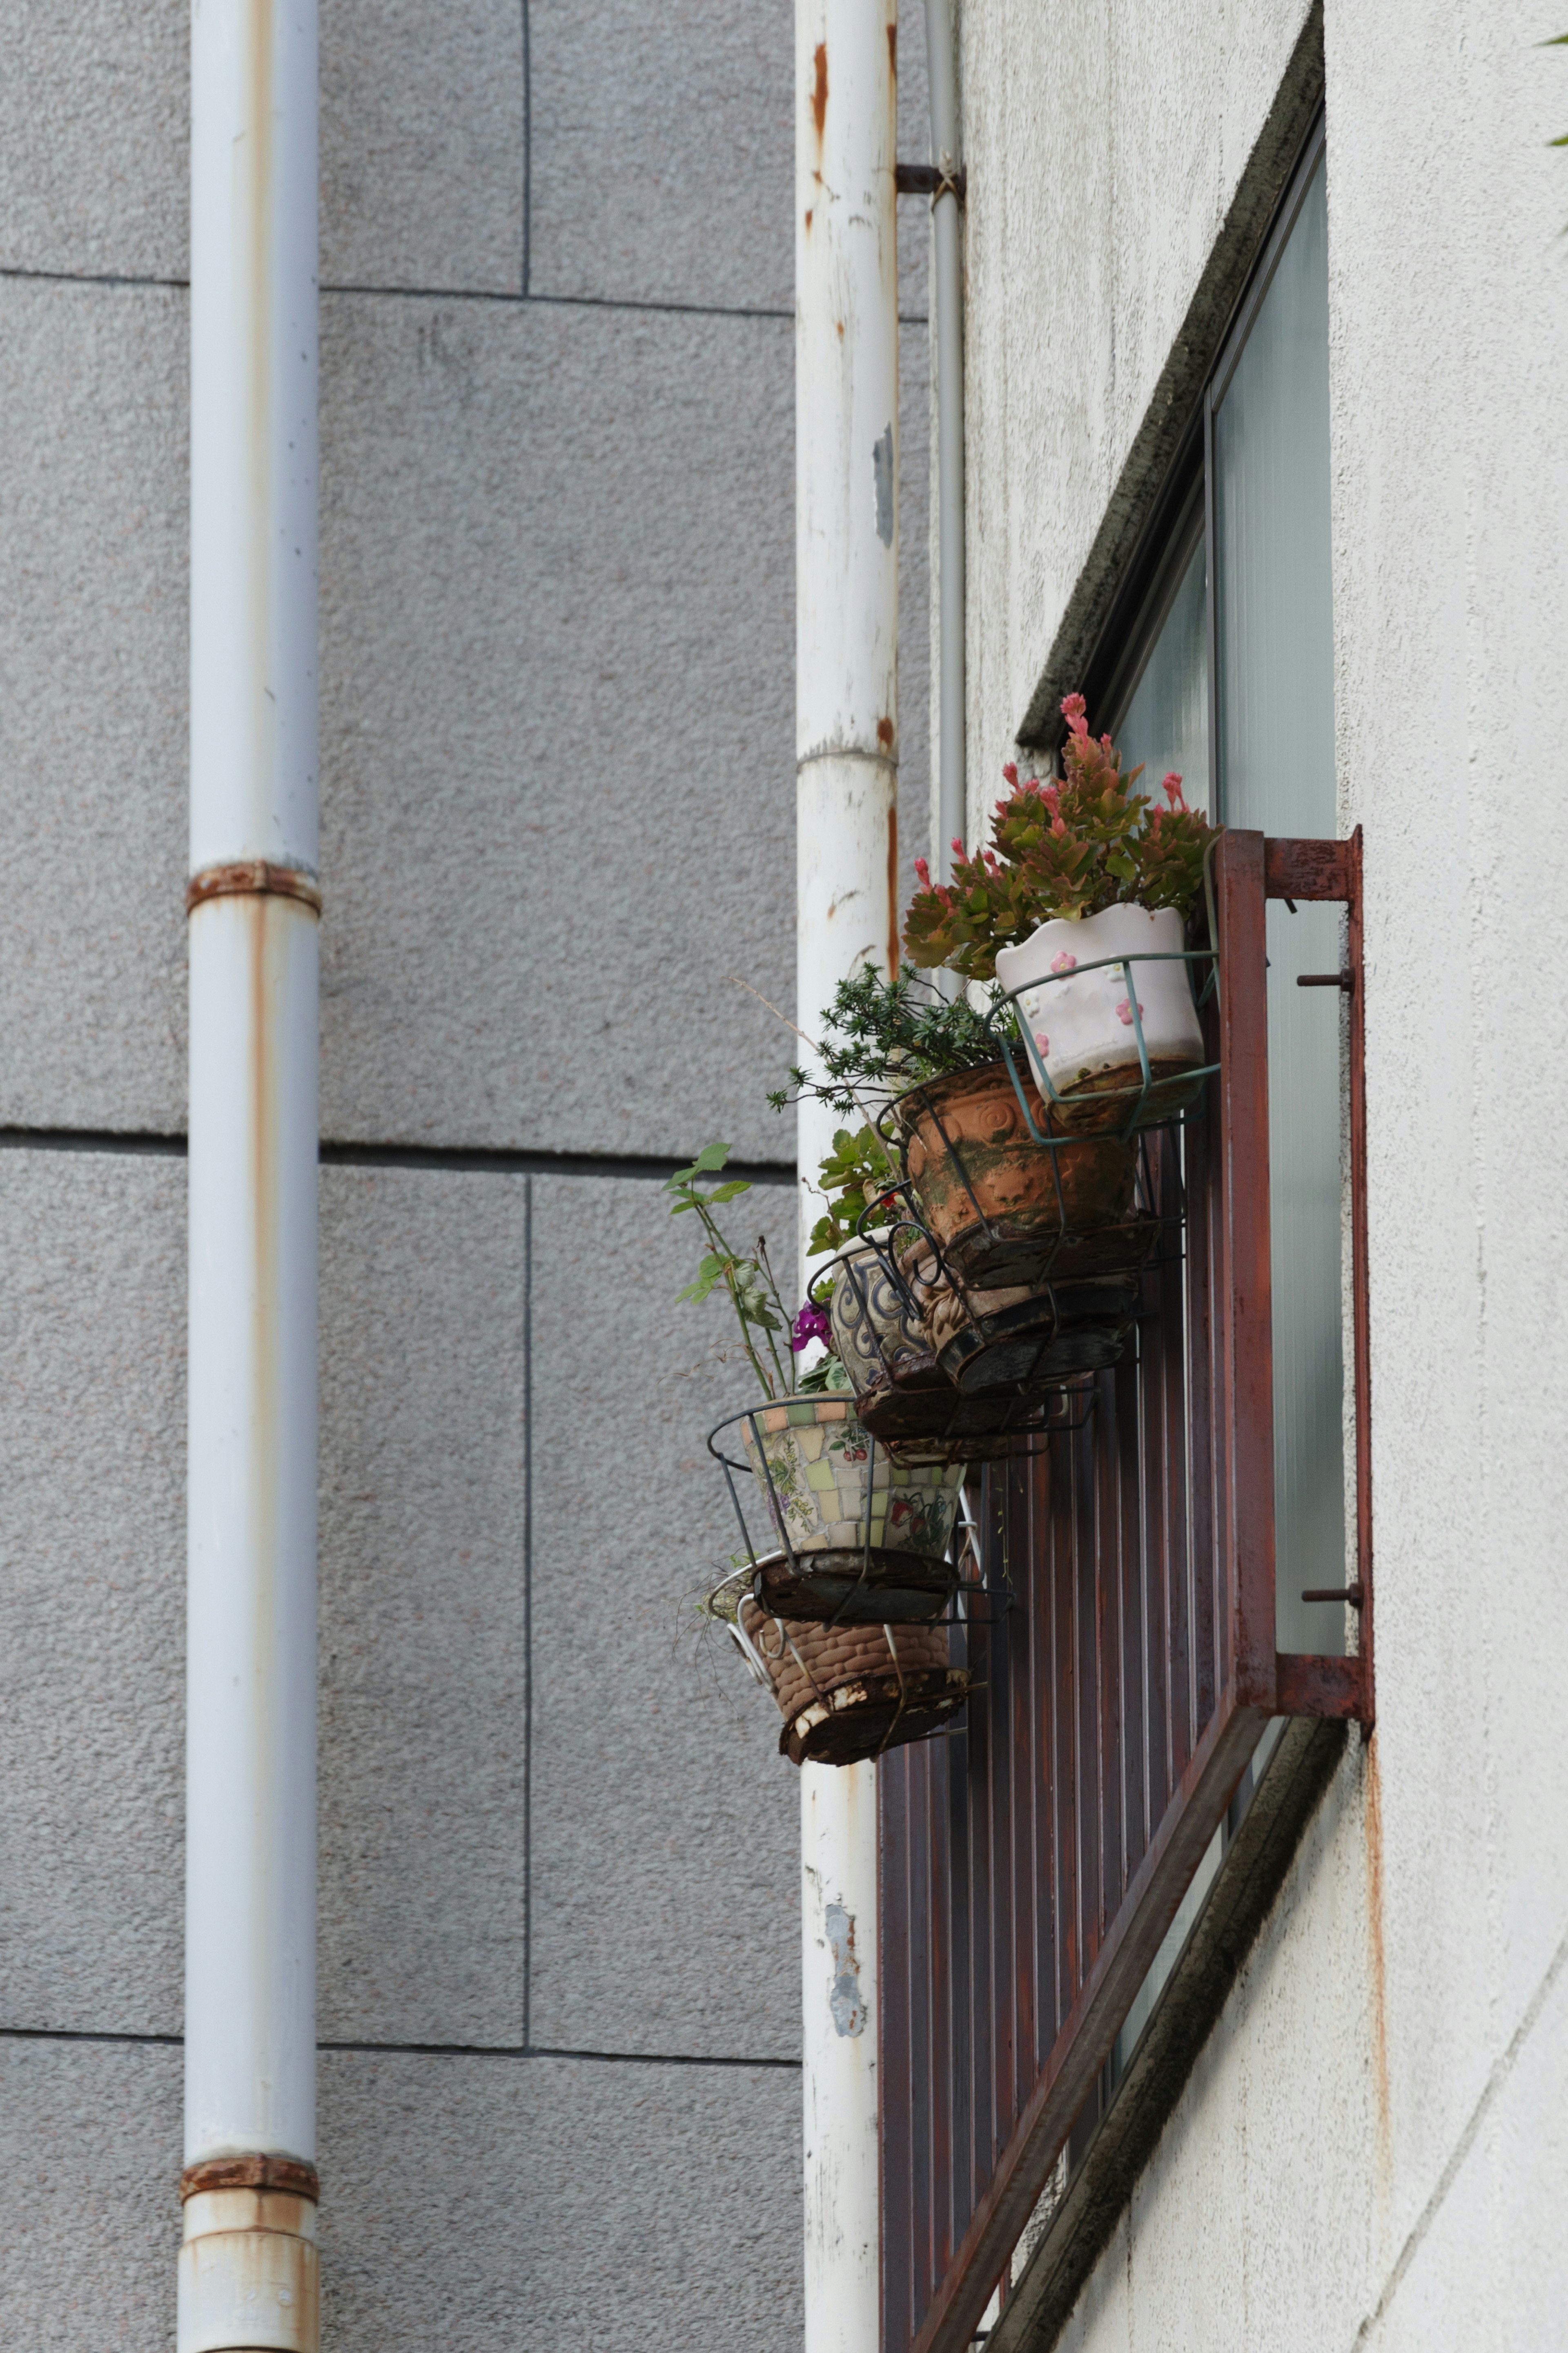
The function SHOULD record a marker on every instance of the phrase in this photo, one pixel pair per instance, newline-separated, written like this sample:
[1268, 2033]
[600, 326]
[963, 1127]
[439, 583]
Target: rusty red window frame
[972, 2127]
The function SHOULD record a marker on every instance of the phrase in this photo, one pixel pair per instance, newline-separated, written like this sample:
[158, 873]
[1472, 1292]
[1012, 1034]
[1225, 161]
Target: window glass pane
[1274, 653]
[1167, 724]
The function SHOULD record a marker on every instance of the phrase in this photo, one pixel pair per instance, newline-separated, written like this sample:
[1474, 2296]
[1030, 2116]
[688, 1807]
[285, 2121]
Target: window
[1053, 1875]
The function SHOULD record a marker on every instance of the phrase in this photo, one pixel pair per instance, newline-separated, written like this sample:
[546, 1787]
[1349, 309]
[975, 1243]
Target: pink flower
[922, 873]
[1064, 963]
[1010, 771]
[1072, 711]
[1042, 1042]
[957, 847]
[1052, 796]
[810, 1324]
[1172, 789]
[1059, 825]
[1124, 1013]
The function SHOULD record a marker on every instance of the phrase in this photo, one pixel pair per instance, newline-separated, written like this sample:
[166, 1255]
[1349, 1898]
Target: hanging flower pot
[864, 1538]
[847, 1693]
[1107, 1010]
[1001, 1206]
[881, 1344]
[1030, 1338]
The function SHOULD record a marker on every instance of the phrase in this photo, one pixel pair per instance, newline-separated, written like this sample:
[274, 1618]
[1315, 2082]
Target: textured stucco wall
[1370, 2150]
[559, 1944]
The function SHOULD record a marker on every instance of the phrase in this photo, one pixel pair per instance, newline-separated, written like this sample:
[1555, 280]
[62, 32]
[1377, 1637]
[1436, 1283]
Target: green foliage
[882, 1035]
[1059, 850]
[855, 1172]
[745, 1276]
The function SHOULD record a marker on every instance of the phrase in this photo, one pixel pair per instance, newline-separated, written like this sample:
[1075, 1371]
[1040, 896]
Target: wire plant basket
[858, 1535]
[1005, 1184]
[905, 1393]
[1153, 1097]
[848, 1692]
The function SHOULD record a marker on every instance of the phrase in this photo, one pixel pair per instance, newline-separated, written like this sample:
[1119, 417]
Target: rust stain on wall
[892, 866]
[893, 49]
[819, 95]
[1373, 1827]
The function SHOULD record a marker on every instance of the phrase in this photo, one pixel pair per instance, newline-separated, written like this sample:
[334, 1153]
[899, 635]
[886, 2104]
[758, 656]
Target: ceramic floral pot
[847, 1693]
[998, 1205]
[877, 1332]
[1080, 1026]
[865, 1540]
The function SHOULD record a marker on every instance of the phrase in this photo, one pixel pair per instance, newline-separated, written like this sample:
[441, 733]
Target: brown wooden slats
[1033, 1860]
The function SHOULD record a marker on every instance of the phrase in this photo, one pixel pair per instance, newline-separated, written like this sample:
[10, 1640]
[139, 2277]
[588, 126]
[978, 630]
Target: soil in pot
[998, 1204]
[847, 1693]
[857, 1589]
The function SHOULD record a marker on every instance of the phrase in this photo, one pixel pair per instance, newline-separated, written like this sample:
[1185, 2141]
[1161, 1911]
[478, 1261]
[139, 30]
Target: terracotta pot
[866, 1537]
[1079, 1025]
[998, 1205]
[851, 1691]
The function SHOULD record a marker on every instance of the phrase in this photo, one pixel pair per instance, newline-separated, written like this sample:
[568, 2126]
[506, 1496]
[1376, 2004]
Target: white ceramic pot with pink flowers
[1090, 991]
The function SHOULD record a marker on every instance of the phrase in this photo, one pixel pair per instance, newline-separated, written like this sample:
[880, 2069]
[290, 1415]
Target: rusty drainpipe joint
[249, 2273]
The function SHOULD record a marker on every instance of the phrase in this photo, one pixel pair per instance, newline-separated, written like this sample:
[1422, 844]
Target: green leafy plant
[745, 1275]
[882, 1036]
[856, 1172]
[1059, 850]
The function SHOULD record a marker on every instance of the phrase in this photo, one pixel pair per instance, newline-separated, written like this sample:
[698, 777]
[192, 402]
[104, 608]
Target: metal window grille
[1033, 1863]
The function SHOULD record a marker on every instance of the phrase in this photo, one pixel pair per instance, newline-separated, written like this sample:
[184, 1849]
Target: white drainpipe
[846, 610]
[947, 226]
[247, 2271]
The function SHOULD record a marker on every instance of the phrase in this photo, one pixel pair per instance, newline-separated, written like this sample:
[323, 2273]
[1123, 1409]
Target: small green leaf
[728, 1190]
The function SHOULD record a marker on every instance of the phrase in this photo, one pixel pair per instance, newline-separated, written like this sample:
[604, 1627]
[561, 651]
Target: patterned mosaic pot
[998, 1203]
[833, 1505]
[1079, 1031]
[847, 1693]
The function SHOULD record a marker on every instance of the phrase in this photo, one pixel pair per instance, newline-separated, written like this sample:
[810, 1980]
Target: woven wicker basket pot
[1080, 1026]
[847, 1693]
[864, 1538]
[998, 1204]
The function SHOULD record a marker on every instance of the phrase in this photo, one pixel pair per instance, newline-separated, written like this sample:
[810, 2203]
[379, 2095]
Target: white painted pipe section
[247, 2267]
[839, 2055]
[846, 534]
[951, 815]
[846, 559]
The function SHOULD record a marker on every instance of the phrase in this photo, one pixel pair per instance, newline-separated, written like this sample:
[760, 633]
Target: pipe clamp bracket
[252, 878]
[290, 2175]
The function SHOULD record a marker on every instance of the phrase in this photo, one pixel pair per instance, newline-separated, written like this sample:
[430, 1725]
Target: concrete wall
[1371, 2151]
[559, 1925]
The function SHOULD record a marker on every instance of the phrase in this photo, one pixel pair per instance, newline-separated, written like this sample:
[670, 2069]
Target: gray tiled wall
[559, 1942]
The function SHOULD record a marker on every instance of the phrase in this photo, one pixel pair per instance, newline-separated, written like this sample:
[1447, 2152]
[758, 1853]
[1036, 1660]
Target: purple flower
[810, 1324]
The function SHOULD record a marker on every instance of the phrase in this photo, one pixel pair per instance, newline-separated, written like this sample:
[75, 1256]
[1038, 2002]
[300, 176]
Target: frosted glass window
[1273, 667]
[1166, 722]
